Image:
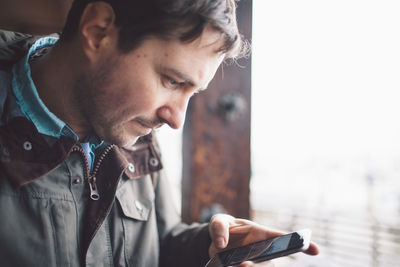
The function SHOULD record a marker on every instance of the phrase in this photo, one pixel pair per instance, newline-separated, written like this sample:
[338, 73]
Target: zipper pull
[94, 193]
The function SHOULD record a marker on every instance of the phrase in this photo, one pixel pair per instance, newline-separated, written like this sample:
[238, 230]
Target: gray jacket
[48, 217]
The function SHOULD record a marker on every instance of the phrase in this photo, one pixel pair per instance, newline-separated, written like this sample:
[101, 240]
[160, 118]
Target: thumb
[219, 229]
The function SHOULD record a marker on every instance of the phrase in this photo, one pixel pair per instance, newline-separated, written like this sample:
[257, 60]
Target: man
[80, 176]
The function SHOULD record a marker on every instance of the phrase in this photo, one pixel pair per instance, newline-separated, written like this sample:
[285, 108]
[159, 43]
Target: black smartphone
[263, 250]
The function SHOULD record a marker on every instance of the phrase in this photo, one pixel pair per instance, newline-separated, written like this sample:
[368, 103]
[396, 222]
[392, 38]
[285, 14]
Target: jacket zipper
[91, 177]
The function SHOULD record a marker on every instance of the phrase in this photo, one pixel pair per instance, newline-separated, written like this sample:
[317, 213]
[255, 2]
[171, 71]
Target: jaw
[122, 134]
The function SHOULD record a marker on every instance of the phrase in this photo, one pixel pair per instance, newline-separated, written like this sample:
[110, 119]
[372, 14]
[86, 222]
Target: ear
[96, 29]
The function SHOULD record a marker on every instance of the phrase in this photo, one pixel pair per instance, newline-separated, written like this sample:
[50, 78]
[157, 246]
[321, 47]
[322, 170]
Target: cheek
[135, 95]
[134, 87]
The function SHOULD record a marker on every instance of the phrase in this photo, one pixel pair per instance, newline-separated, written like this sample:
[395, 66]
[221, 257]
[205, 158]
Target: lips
[149, 125]
[146, 126]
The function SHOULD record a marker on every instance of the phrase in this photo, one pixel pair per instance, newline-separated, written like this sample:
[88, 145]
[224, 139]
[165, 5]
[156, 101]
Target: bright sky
[326, 103]
[326, 77]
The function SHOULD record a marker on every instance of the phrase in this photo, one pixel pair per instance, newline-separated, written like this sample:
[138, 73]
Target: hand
[228, 232]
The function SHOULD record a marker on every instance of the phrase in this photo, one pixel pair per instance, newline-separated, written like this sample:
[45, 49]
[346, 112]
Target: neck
[53, 75]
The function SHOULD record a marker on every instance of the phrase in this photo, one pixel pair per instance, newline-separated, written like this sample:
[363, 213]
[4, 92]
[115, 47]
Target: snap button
[138, 205]
[131, 167]
[77, 181]
[154, 162]
[27, 145]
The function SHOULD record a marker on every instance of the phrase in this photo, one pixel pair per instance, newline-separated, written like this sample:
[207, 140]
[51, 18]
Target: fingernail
[220, 242]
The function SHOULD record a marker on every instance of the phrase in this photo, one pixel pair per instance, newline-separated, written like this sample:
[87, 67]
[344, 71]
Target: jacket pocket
[134, 206]
[138, 220]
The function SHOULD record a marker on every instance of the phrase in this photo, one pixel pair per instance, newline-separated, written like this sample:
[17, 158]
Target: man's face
[125, 96]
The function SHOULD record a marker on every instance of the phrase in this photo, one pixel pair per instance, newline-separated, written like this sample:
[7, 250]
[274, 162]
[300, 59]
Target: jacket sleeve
[180, 244]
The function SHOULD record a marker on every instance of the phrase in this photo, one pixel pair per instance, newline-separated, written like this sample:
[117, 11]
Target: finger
[241, 226]
[261, 264]
[246, 264]
[219, 229]
[312, 250]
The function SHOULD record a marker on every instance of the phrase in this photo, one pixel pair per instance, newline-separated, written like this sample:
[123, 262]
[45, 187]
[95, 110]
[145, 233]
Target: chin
[120, 137]
[123, 137]
[126, 142]
[129, 144]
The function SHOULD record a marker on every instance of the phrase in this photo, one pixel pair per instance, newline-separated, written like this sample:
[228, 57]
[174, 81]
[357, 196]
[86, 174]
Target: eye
[172, 83]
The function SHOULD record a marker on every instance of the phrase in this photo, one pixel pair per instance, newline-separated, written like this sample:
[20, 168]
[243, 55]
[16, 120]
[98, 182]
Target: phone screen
[261, 251]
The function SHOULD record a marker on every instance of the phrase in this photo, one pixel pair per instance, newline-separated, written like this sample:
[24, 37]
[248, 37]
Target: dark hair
[182, 20]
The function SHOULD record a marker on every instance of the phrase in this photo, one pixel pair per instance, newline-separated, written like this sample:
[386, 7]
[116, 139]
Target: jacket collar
[26, 155]
[28, 98]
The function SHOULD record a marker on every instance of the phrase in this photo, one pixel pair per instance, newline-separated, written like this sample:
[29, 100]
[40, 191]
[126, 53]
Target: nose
[173, 112]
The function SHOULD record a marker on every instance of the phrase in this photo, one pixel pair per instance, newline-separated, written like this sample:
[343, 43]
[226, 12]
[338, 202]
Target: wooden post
[216, 146]
[37, 17]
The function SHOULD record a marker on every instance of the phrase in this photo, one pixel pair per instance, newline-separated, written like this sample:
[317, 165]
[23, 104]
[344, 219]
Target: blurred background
[322, 87]
[325, 126]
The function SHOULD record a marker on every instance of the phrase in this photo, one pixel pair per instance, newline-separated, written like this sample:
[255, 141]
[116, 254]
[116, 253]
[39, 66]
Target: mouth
[147, 127]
